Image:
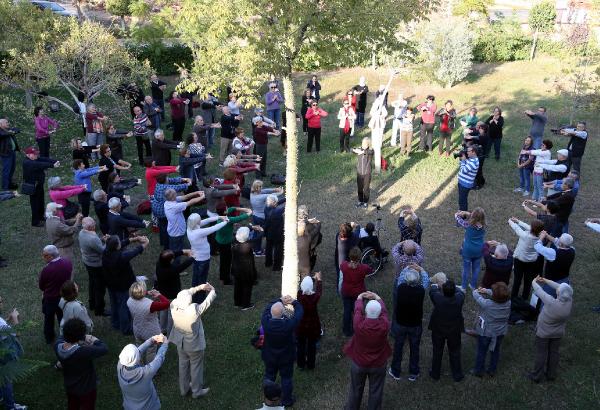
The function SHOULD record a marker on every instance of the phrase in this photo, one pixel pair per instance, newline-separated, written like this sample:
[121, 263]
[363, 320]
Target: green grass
[427, 182]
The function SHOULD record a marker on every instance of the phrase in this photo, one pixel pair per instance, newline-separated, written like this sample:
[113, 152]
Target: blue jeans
[275, 115]
[463, 198]
[537, 141]
[120, 318]
[6, 392]
[360, 119]
[483, 344]
[348, 327]
[525, 179]
[287, 385]
[176, 243]
[538, 186]
[200, 276]
[471, 267]
[8, 169]
[211, 137]
[414, 339]
[258, 235]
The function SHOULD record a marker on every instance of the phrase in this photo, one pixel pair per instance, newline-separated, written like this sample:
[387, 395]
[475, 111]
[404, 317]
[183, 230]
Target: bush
[502, 40]
[163, 58]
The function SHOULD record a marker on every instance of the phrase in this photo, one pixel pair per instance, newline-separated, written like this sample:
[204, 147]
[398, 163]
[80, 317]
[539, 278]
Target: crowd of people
[199, 218]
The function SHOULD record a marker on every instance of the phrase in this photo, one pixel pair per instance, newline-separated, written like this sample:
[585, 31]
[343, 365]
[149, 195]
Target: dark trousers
[358, 378]
[84, 402]
[287, 384]
[44, 146]
[453, 341]
[524, 272]
[483, 345]
[304, 124]
[178, 127]
[274, 254]
[163, 236]
[7, 394]
[360, 119]
[36, 202]
[479, 178]
[84, 200]
[225, 263]
[200, 276]
[96, 289]
[242, 293]
[8, 169]
[546, 357]
[176, 243]
[345, 140]
[363, 184]
[50, 309]
[413, 334]
[120, 318]
[307, 352]
[575, 163]
[261, 149]
[314, 134]
[257, 241]
[347, 325]
[463, 198]
[161, 104]
[426, 137]
[497, 144]
[142, 143]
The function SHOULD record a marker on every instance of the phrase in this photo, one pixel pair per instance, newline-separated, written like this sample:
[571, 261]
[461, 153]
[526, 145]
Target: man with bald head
[279, 349]
[406, 253]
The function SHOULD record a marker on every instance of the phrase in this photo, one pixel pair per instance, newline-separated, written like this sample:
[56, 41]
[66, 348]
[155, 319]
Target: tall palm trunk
[289, 276]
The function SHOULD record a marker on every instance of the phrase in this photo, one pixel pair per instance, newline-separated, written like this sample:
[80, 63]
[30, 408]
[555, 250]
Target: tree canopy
[542, 16]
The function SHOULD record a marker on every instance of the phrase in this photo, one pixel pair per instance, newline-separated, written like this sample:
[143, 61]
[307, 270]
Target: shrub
[502, 40]
[163, 58]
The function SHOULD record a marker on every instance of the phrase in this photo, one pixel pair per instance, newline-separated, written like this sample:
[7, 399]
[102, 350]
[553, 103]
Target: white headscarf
[130, 356]
[373, 309]
[307, 286]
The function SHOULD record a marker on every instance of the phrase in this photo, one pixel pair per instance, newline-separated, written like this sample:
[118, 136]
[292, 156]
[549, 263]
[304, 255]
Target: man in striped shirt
[469, 164]
[140, 131]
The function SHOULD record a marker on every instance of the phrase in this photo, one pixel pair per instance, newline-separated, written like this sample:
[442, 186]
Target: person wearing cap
[243, 269]
[279, 349]
[446, 325]
[56, 272]
[346, 117]
[368, 350]
[34, 168]
[272, 394]
[550, 327]
[188, 335]
[447, 115]
[135, 379]
[559, 256]
[576, 147]
[8, 147]
[555, 168]
[62, 232]
[60, 194]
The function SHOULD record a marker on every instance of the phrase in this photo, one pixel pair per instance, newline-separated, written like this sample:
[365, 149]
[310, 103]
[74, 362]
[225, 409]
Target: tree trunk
[28, 93]
[80, 15]
[534, 44]
[373, 59]
[289, 276]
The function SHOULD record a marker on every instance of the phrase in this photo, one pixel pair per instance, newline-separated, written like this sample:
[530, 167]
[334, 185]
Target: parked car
[54, 8]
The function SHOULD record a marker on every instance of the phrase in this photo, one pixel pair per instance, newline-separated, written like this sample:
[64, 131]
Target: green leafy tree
[119, 8]
[541, 20]
[242, 44]
[466, 7]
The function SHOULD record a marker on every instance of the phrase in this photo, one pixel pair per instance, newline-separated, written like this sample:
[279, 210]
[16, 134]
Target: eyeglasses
[314, 105]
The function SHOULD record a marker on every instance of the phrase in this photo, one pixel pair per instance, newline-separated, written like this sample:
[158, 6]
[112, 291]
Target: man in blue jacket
[279, 349]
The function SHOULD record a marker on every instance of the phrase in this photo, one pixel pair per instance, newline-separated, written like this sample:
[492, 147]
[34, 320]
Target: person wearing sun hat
[34, 176]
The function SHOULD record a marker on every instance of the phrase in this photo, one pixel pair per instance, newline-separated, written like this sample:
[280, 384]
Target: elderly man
[405, 253]
[140, 131]
[34, 177]
[550, 327]
[120, 223]
[92, 248]
[60, 232]
[577, 144]
[564, 200]
[8, 146]
[274, 216]
[188, 335]
[279, 349]
[261, 134]
[161, 148]
[369, 350]
[152, 111]
[498, 264]
[157, 87]
[538, 122]
[56, 272]
[174, 207]
[163, 183]
[446, 325]
[559, 256]
[408, 317]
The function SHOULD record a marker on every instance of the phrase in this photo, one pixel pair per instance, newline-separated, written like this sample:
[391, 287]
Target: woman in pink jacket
[313, 115]
[44, 126]
[59, 194]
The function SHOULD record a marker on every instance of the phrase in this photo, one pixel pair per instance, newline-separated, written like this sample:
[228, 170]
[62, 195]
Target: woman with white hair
[309, 329]
[243, 269]
[60, 232]
[363, 171]
[135, 379]
[61, 193]
[550, 327]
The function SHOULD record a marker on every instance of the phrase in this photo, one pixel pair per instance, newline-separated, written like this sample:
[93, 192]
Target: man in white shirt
[174, 208]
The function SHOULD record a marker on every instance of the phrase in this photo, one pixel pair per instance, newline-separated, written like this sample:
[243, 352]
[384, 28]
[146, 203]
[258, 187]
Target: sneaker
[463, 290]
[596, 309]
[525, 193]
[393, 375]
[358, 205]
[259, 254]
[19, 407]
[365, 205]
[518, 190]
[202, 393]
[249, 307]
[413, 377]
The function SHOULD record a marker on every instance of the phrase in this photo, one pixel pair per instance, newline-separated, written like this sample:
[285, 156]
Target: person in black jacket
[446, 325]
[157, 87]
[495, 123]
[76, 352]
[228, 125]
[363, 171]
[119, 276]
[274, 226]
[119, 222]
[34, 168]
[161, 148]
[315, 88]
[279, 349]
[578, 139]
[8, 147]
[243, 269]
[117, 185]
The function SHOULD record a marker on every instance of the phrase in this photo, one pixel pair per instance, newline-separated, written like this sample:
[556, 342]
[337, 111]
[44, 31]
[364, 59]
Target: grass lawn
[428, 183]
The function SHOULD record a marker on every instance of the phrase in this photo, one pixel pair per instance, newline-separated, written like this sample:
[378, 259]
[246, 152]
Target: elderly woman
[72, 308]
[117, 185]
[243, 269]
[135, 379]
[61, 232]
[110, 165]
[492, 325]
[44, 127]
[94, 120]
[528, 264]
[309, 328]
[550, 327]
[144, 315]
[352, 278]
[258, 199]
[61, 193]
[472, 246]
[203, 130]
[410, 226]
[224, 237]
[498, 264]
[309, 237]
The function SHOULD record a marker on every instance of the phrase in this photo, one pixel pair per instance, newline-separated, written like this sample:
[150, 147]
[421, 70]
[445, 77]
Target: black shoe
[12, 185]
[105, 313]
[39, 225]
[459, 378]
[532, 377]
[2, 259]
[476, 374]
[433, 377]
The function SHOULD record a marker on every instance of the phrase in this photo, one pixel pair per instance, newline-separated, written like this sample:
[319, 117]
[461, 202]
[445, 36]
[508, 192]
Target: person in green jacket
[224, 237]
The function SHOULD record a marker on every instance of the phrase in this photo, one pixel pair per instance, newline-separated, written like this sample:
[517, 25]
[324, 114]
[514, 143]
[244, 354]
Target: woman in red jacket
[353, 284]
[309, 329]
[178, 107]
[313, 115]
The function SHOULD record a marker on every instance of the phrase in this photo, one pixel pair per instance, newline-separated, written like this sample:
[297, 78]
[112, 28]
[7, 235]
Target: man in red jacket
[369, 350]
